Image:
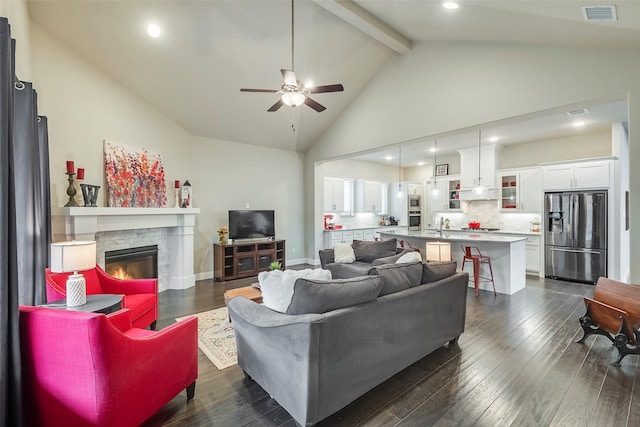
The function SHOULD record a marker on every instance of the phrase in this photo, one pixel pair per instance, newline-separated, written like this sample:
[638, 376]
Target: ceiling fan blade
[289, 77]
[313, 104]
[276, 106]
[260, 90]
[326, 88]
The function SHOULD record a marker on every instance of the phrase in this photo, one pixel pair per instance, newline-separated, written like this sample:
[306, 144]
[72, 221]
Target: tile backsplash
[488, 215]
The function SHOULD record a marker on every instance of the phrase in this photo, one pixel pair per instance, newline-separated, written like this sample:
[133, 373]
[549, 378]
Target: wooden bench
[614, 312]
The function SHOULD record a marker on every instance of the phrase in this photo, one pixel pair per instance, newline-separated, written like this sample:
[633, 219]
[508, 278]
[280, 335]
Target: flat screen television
[251, 224]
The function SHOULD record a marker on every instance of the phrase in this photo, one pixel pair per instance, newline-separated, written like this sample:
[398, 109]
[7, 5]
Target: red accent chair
[138, 295]
[90, 369]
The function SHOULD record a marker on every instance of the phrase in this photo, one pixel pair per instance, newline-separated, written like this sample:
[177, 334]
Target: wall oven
[415, 218]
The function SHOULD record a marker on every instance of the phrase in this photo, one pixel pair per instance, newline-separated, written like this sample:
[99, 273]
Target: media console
[245, 259]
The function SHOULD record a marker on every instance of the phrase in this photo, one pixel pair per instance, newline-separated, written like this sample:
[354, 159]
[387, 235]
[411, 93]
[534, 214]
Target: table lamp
[438, 251]
[74, 256]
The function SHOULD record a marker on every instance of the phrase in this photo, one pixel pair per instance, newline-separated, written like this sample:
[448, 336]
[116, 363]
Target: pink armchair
[139, 295]
[89, 369]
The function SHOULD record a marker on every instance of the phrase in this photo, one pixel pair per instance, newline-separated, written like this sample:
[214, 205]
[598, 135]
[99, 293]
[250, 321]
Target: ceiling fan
[292, 92]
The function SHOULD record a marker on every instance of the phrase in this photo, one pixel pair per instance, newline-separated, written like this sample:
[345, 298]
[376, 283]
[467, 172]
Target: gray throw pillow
[369, 251]
[390, 259]
[318, 296]
[398, 277]
[434, 271]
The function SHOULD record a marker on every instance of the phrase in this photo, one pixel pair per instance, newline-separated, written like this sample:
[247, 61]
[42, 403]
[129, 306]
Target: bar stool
[473, 254]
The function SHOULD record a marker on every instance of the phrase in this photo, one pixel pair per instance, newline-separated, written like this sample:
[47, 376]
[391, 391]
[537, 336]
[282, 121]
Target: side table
[254, 294]
[97, 303]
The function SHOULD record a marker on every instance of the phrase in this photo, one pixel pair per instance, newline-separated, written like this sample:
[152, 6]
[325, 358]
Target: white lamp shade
[438, 251]
[72, 256]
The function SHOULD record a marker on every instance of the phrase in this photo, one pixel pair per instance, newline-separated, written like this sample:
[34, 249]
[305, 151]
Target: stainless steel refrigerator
[576, 235]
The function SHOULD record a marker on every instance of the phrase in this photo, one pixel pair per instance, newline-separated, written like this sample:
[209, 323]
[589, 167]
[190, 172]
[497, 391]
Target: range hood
[470, 195]
[471, 169]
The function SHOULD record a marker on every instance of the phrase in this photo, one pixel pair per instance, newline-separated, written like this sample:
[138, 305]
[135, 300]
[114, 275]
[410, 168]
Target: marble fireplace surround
[122, 228]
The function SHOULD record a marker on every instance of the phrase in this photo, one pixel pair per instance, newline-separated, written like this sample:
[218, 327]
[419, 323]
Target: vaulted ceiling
[208, 50]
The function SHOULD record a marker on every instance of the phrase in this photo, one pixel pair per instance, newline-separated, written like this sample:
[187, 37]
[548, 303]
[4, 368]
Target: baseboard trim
[204, 276]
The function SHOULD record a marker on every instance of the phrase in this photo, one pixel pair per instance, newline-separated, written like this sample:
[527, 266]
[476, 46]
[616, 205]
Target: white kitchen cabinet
[334, 194]
[532, 251]
[488, 162]
[414, 189]
[520, 190]
[358, 234]
[367, 235]
[447, 197]
[371, 197]
[331, 237]
[579, 175]
[347, 237]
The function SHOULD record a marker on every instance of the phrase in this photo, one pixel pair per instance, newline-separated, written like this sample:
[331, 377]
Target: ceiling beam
[367, 23]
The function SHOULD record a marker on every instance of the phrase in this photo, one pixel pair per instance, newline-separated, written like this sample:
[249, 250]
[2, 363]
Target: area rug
[215, 337]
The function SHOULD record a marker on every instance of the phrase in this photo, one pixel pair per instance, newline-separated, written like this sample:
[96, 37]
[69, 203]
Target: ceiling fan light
[293, 99]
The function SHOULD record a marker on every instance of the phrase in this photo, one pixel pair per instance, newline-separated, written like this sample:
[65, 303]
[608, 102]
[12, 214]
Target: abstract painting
[135, 177]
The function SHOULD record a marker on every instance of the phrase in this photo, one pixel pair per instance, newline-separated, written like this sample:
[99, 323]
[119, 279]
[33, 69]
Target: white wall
[84, 107]
[17, 13]
[441, 87]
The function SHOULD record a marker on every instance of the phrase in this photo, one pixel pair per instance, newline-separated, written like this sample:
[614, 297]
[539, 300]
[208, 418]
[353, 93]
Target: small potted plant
[275, 265]
[223, 232]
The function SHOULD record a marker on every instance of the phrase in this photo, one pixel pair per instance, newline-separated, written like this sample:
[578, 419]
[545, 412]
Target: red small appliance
[328, 221]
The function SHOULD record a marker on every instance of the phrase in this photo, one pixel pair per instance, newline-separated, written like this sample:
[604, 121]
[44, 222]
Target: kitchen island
[508, 256]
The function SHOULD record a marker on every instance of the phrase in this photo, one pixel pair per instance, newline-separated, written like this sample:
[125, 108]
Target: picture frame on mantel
[442, 169]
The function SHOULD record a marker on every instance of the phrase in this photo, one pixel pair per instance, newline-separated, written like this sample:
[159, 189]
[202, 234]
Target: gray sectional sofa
[341, 338]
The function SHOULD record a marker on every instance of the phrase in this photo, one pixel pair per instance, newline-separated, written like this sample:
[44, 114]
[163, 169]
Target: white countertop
[517, 233]
[458, 236]
[372, 227]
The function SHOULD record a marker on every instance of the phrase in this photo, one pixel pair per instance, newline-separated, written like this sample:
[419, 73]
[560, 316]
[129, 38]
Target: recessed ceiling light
[420, 163]
[388, 158]
[493, 139]
[433, 150]
[578, 124]
[153, 30]
[450, 5]
[308, 84]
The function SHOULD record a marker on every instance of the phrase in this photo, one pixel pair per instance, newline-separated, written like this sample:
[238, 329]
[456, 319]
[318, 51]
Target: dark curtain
[25, 219]
[31, 224]
[10, 370]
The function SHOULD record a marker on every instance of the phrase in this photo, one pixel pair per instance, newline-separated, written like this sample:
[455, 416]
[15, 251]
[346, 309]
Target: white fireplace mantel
[83, 223]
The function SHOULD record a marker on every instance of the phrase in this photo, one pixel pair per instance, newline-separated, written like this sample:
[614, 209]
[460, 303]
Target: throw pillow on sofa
[314, 296]
[398, 277]
[343, 253]
[413, 256]
[434, 271]
[370, 251]
[277, 285]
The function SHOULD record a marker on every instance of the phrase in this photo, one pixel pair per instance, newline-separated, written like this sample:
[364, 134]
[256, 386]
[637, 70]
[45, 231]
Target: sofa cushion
[410, 257]
[369, 251]
[343, 252]
[390, 259]
[315, 296]
[398, 277]
[347, 271]
[434, 271]
[277, 285]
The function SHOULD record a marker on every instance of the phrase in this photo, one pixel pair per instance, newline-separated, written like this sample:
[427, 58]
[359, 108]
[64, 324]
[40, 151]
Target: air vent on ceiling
[600, 13]
[578, 112]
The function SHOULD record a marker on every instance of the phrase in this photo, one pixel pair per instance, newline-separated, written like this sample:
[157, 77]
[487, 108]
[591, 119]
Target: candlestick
[80, 175]
[70, 166]
[71, 190]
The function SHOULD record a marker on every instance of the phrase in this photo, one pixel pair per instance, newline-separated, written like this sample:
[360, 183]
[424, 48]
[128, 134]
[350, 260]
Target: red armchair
[139, 295]
[89, 369]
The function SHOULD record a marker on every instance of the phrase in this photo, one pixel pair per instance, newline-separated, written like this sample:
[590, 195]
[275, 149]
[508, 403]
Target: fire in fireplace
[132, 263]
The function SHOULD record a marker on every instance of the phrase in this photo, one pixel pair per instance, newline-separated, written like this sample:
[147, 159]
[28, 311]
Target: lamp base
[76, 290]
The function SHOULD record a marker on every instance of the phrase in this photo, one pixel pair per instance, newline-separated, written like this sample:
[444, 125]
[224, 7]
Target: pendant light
[479, 190]
[400, 194]
[435, 192]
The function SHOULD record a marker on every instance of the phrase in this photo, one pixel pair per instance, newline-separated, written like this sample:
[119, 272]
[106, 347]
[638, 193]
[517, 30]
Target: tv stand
[246, 258]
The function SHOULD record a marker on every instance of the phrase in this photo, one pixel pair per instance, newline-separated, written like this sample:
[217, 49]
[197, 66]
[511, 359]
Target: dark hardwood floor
[516, 364]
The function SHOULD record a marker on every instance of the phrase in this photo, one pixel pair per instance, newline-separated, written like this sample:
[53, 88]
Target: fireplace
[132, 263]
